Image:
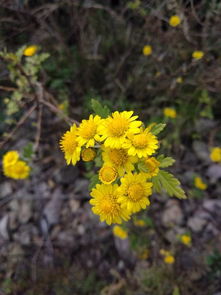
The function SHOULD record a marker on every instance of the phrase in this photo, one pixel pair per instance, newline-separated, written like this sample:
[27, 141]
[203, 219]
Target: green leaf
[157, 128]
[165, 161]
[28, 151]
[167, 181]
[142, 167]
[102, 111]
[93, 181]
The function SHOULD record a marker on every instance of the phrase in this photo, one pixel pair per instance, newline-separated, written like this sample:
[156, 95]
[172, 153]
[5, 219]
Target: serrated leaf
[167, 181]
[165, 161]
[157, 128]
[142, 167]
[102, 111]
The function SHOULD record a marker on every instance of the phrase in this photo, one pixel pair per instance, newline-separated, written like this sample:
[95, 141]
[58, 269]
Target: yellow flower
[147, 50]
[169, 259]
[19, 170]
[107, 175]
[174, 20]
[105, 204]
[115, 128]
[88, 155]
[152, 165]
[30, 50]
[87, 131]
[10, 158]
[134, 192]
[119, 159]
[179, 80]
[143, 144]
[198, 182]
[139, 222]
[69, 146]
[186, 240]
[170, 113]
[119, 232]
[197, 54]
[215, 154]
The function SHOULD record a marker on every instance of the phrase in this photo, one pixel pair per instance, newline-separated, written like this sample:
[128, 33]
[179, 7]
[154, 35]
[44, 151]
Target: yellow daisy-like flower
[30, 50]
[115, 128]
[119, 232]
[174, 20]
[19, 170]
[143, 144]
[70, 146]
[147, 50]
[10, 158]
[88, 155]
[107, 175]
[105, 204]
[215, 154]
[153, 167]
[198, 182]
[134, 192]
[87, 131]
[119, 159]
[186, 240]
[170, 113]
[197, 54]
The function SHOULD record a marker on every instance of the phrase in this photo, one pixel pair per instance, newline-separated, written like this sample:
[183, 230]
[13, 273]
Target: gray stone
[172, 214]
[5, 189]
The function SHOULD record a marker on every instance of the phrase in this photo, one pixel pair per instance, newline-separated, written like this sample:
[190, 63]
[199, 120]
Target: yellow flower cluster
[170, 113]
[215, 154]
[119, 232]
[122, 142]
[13, 167]
[168, 257]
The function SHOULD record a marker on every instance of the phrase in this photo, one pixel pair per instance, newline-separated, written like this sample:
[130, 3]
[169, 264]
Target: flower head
[142, 144]
[169, 259]
[215, 154]
[147, 50]
[119, 232]
[87, 131]
[119, 159]
[197, 54]
[107, 175]
[134, 192]
[10, 158]
[88, 154]
[186, 240]
[70, 146]
[170, 113]
[174, 20]
[115, 128]
[30, 50]
[105, 204]
[19, 170]
[198, 182]
[152, 166]
[179, 80]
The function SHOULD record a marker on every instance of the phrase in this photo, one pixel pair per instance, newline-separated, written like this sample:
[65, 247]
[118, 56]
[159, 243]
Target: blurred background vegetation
[94, 49]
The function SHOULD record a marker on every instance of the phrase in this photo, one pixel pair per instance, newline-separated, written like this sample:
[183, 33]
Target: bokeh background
[50, 242]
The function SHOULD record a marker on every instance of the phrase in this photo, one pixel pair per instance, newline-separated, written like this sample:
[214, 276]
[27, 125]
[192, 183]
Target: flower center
[69, 144]
[88, 154]
[88, 131]
[107, 174]
[118, 157]
[118, 126]
[136, 192]
[140, 141]
[109, 205]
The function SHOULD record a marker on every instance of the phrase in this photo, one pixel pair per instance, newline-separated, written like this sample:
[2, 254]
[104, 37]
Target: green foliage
[214, 263]
[102, 111]
[28, 151]
[176, 291]
[165, 161]
[157, 128]
[167, 181]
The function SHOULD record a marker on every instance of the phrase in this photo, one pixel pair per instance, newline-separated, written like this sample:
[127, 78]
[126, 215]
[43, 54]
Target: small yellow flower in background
[158, 74]
[147, 50]
[10, 158]
[215, 154]
[144, 254]
[70, 146]
[107, 175]
[13, 167]
[169, 259]
[105, 204]
[174, 20]
[179, 80]
[119, 232]
[186, 240]
[134, 191]
[30, 50]
[197, 54]
[170, 113]
[198, 182]
[139, 222]
[88, 154]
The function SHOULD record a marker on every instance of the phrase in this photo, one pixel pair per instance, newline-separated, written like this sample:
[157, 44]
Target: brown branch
[38, 132]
